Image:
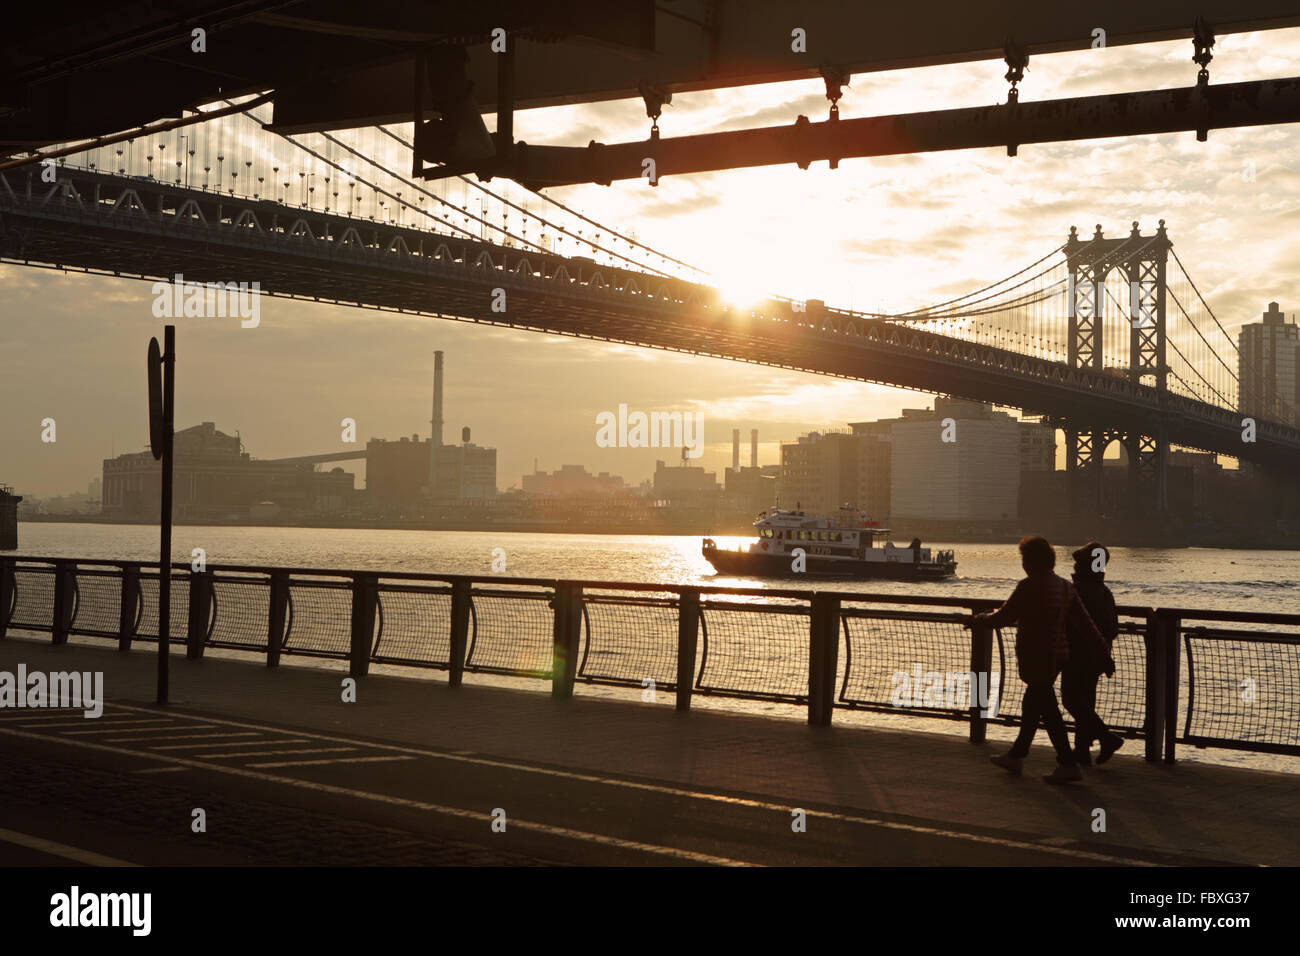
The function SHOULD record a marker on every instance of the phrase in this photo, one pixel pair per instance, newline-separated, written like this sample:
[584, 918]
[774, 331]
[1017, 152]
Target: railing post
[64, 579]
[981, 678]
[6, 592]
[823, 658]
[567, 636]
[1153, 727]
[200, 610]
[277, 617]
[130, 602]
[460, 616]
[364, 600]
[1173, 629]
[688, 635]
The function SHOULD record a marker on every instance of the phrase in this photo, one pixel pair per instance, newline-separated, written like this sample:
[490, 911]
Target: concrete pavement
[417, 772]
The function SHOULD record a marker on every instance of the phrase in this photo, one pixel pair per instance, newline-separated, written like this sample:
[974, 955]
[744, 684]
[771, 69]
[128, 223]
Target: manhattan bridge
[1106, 336]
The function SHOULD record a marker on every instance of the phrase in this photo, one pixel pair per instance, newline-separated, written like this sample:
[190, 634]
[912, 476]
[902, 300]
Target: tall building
[1037, 447]
[1266, 368]
[973, 477]
[875, 457]
[819, 472]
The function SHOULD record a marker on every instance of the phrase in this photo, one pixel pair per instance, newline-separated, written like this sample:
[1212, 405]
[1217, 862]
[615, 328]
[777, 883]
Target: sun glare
[741, 288]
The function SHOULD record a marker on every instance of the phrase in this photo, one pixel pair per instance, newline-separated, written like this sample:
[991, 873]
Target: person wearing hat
[1080, 673]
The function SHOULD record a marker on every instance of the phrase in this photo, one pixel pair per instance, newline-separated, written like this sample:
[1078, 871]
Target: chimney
[735, 449]
[753, 448]
[435, 434]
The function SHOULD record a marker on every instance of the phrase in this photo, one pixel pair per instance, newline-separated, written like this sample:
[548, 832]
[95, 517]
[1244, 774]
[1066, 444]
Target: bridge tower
[1141, 261]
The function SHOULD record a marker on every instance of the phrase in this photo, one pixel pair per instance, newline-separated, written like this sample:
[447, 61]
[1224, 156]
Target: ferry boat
[844, 545]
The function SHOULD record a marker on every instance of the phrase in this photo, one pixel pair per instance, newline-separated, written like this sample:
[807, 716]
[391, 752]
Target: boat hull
[779, 566]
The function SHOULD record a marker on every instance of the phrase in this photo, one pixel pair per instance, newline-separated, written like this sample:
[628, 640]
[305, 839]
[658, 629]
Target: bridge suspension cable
[936, 311]
[1192, 283]
[1018, 311]
[573, 212]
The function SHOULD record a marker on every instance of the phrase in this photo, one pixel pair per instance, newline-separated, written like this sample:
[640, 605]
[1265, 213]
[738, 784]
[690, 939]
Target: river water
[1150, 577]
[1187, 578]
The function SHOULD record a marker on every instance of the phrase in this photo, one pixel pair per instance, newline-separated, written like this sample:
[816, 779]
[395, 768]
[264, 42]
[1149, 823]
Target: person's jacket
[1100, 604]
[1043, 606]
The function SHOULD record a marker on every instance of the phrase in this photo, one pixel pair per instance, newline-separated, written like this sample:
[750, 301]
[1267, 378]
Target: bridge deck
[589, 781]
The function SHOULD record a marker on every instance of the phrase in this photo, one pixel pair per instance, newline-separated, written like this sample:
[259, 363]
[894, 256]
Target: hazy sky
[898, 232]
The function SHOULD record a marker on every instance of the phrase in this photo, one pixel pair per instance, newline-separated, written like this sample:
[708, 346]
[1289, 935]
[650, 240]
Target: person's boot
[1083, 756]
[1109, 746]
[1064, 773]
[1012, 765]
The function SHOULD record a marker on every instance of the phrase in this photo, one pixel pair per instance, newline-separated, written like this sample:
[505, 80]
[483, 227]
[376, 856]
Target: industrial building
[410, 472]
[572, 481]
[748, 491]
[215, 478]
[685, 485]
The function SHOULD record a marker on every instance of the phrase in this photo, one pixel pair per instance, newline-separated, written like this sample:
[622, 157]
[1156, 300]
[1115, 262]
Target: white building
[974, 475]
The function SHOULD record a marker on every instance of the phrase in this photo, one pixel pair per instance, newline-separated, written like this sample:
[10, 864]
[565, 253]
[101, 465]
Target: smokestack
[735, 449]
[753, 448]
[435, 433]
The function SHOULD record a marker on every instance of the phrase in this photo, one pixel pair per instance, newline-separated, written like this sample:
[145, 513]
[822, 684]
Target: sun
[741, 286]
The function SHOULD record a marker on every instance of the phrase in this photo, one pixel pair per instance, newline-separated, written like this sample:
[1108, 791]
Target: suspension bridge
[1108, 338]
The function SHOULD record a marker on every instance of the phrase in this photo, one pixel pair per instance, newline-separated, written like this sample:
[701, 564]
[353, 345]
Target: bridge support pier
[1085, 454]
[1084, 449]
[1148, 491]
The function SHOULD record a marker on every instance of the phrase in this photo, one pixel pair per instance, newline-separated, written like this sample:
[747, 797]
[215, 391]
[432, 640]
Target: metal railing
[1197, 677]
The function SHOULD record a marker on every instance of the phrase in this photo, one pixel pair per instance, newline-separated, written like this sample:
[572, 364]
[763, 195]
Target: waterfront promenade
[413, 771]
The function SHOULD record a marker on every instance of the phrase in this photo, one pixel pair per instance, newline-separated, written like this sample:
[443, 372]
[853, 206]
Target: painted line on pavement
[501, 764]
[688, 856]
[89, 857]
[224, 743]
[317, 763]
[282, 753]
[119, 730]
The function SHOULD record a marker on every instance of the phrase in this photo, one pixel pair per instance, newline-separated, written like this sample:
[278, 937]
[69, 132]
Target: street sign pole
[162, 421]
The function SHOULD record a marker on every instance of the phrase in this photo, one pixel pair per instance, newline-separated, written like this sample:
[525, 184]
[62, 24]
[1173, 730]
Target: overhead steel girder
[1218, 106]
[714, 44]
